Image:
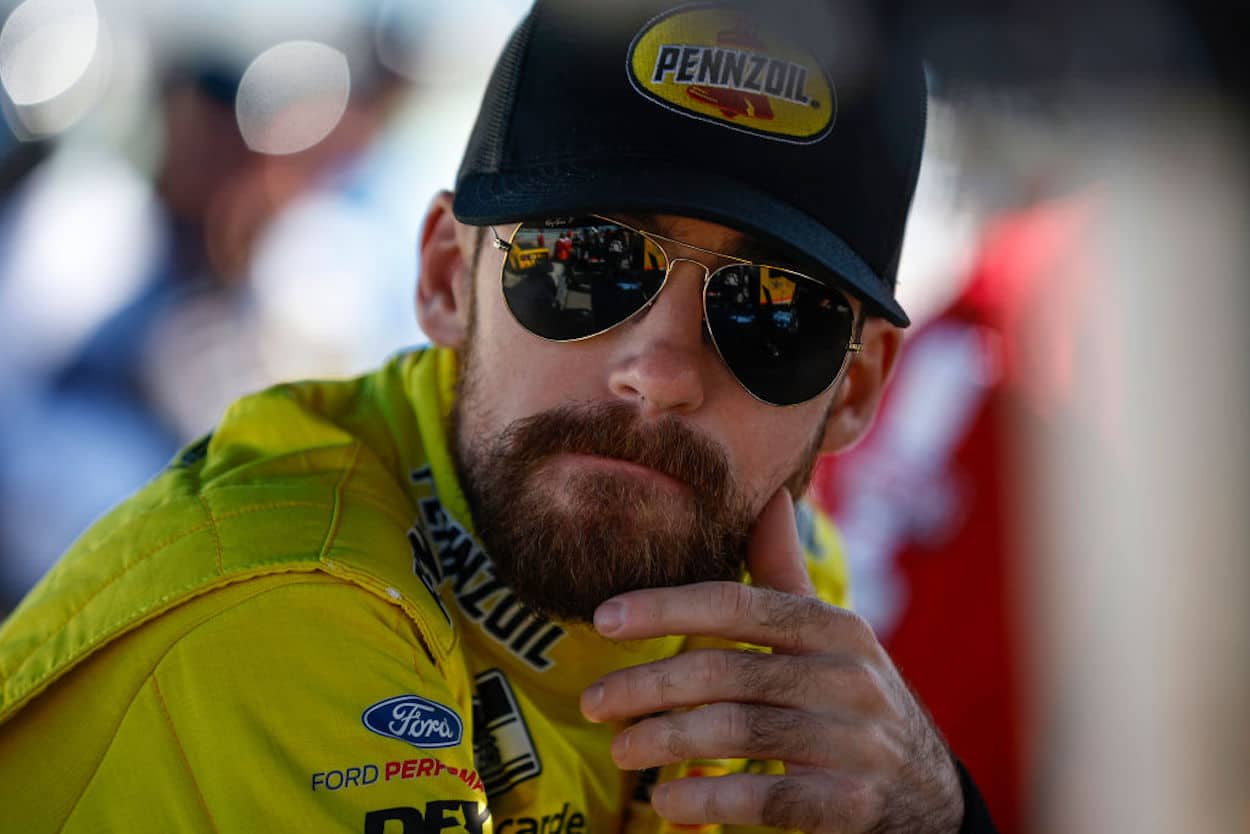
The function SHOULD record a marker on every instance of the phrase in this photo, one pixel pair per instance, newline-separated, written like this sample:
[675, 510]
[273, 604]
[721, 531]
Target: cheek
[516, 374]
[769, 444]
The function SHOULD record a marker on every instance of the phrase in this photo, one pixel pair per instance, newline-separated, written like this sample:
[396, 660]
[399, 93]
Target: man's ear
[444, 285]
[859, 394]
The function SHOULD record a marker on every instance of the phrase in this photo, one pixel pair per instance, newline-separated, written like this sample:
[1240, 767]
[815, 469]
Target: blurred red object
[924, 502]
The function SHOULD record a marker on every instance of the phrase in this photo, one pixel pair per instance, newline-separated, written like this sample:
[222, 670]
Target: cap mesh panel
[485, 151]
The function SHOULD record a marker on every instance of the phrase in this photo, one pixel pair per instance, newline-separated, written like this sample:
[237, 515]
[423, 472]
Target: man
[265, 638]
[563, 255]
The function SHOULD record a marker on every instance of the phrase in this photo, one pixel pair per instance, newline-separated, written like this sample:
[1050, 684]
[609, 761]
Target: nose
[661, 368]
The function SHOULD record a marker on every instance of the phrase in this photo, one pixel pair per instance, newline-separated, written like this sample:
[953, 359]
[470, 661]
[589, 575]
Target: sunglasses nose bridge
[672, 262]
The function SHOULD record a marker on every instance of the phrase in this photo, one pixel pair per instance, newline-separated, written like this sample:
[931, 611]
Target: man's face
[630, 459]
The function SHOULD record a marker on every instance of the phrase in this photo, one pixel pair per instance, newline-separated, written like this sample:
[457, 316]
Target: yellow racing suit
[293, 628]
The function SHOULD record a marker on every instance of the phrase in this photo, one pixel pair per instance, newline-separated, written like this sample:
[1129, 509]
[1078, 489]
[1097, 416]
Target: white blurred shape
[46, 47]
[1140, 513]
[84, 236]
[425, 41]
[56, 115]
[942, 227]
[292, 96]
[311, 281]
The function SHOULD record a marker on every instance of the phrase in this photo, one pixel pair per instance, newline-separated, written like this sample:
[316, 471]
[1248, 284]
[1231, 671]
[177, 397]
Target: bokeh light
[46, 47]
[292, 96]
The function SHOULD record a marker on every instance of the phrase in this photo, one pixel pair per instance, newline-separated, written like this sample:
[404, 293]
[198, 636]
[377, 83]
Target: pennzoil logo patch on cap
[717, 64]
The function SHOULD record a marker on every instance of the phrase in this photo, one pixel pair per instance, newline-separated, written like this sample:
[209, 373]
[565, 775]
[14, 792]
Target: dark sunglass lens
[783, 336]
[570, 278]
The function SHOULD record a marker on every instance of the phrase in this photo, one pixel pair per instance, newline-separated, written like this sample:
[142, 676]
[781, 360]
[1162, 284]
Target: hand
[860, 753]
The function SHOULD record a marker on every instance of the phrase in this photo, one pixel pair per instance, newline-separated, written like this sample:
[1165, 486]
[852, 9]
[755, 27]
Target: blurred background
[1048, 525]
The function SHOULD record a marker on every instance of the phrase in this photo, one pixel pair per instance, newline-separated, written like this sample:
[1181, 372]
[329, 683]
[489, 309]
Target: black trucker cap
[786, 119]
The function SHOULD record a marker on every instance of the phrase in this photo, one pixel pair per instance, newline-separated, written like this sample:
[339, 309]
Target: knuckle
[777, 678]
[785, 674]
[860, 683]
[632, 686]
[792, 616]
[890, 751]
[751, 673]
[843, 806]
[733, 722]
[859, 630]
[665, 689]
[710, 668]
[673, 737]
[855, 804]
[733, 599]
[779, 610]
[713, 806]
[623, 684]
[770, 728]
[845, 683]
[767, 732]
[785, 807]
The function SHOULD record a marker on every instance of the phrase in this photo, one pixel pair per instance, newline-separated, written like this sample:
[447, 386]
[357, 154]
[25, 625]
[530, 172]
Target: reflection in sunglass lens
[575, 277]
[783, 336]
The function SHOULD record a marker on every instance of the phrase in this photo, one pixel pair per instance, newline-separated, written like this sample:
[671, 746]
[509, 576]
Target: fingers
[743, 613]
[817, 805]
[830, 685]
[750, 731]
[774, 554]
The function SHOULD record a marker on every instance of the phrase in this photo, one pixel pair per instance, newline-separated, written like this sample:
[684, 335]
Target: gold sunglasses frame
[853, 347]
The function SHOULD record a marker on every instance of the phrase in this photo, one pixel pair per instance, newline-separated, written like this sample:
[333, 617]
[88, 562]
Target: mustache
[614, 430]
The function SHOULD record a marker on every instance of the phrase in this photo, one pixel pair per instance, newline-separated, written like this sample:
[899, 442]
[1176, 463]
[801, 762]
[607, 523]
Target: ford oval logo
[420, 722]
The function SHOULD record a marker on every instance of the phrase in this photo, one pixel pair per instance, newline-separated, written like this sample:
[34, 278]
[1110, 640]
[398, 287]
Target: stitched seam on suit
[337, 518]
[173, 731]
[178, 639]
[173, 644]
[140, 560]
[216, 534]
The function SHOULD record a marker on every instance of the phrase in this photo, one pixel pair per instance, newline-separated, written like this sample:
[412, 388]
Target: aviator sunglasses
[786, 337]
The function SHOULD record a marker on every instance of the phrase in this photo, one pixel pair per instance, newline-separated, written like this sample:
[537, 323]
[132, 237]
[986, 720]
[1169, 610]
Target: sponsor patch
[563, 821]
[482, 596]
[425, 567]
[371, 774]
[716, 64]
[418, 721]
[418, 768]
[348, 777]
[441, 815]
[503, 748]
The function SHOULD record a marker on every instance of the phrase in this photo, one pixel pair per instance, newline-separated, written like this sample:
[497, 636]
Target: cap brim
[484, 199]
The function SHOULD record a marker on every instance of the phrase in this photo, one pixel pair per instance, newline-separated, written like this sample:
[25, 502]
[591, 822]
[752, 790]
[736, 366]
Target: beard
[565, 542]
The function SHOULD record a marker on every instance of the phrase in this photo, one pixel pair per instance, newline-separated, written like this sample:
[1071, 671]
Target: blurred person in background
[295, 624]
[156, 372]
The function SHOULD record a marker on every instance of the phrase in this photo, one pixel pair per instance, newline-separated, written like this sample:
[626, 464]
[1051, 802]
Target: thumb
[774, 555]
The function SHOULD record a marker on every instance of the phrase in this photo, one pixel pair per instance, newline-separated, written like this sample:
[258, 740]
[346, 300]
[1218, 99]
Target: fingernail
[660, 793]
[609, 617]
